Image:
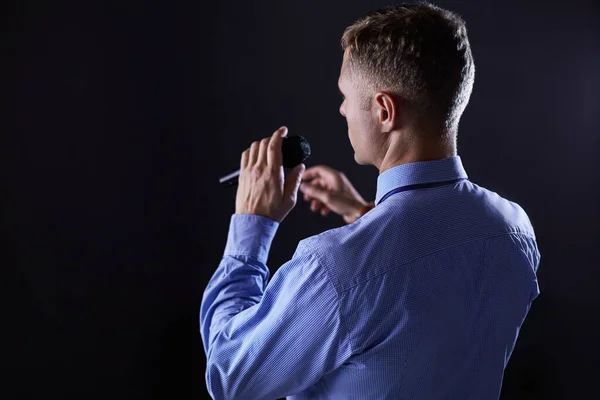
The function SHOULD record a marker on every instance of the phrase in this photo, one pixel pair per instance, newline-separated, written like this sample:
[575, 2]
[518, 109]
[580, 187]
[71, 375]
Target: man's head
[407, 69]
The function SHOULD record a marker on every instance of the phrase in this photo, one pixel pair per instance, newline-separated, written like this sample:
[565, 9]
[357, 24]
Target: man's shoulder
[469, 209]
[505, 212]
[326, 241]
[405, 228]
[338, 246]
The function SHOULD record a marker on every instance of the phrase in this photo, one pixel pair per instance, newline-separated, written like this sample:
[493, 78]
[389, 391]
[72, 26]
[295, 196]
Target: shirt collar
[419, 172]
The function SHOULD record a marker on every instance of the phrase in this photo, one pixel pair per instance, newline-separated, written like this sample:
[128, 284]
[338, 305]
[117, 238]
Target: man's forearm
[242, 275]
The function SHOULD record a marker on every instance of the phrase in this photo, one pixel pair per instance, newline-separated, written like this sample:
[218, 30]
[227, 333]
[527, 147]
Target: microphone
[295, 149]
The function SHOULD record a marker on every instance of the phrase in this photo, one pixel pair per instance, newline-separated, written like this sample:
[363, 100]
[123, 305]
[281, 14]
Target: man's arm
[267, 342]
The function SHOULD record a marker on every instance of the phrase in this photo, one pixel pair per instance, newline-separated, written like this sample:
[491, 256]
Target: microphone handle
[230, 179]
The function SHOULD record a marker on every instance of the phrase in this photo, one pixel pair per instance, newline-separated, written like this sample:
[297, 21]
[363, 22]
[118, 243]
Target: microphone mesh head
[295, 149]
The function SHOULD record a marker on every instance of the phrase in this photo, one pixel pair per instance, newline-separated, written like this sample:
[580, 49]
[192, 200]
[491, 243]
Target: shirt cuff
[250, 235]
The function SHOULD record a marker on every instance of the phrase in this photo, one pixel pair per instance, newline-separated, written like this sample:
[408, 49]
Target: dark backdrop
[119, 117]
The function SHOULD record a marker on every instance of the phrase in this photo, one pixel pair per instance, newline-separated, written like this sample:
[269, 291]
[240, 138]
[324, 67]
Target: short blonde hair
[419, 52]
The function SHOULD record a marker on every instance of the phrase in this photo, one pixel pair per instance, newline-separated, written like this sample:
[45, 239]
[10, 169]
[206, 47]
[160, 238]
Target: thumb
[292, 183]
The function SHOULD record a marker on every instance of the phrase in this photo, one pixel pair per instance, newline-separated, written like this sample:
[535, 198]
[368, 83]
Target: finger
[262, 151]
[320, 170]
[313, 191]
[324, 211]
[254, 147]
[244, 160]
[292, 183]
[310, 173]
[317, 183]
[319, 206]
[315, 204]
[274, 154]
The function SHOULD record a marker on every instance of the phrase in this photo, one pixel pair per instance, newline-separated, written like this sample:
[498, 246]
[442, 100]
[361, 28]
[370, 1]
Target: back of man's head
[419, 53]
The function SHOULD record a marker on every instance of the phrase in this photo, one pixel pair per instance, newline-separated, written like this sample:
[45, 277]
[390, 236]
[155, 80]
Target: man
[422, 297]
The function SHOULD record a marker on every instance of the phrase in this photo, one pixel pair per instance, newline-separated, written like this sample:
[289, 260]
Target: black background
[119, 118]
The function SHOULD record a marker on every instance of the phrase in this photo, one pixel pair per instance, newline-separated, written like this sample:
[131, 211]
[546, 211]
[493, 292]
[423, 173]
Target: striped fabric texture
[421, 298]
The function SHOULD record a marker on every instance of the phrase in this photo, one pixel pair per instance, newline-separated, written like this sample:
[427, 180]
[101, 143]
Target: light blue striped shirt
[421, 298]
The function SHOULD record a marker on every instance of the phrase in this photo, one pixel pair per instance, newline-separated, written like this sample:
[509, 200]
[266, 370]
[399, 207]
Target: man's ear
[388, 110]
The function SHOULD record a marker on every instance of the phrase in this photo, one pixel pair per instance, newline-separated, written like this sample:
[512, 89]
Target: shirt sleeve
[267, 342]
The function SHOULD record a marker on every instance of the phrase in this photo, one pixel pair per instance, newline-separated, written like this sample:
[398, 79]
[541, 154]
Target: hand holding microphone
[295, 149]
[263, 189]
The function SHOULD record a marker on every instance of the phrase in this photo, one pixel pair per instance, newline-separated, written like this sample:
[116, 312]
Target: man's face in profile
[361, 126]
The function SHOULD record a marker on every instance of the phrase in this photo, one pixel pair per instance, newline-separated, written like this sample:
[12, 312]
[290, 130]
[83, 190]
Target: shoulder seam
[321, 265]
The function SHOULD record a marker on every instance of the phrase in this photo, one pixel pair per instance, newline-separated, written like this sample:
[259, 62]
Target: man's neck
[398, 155]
